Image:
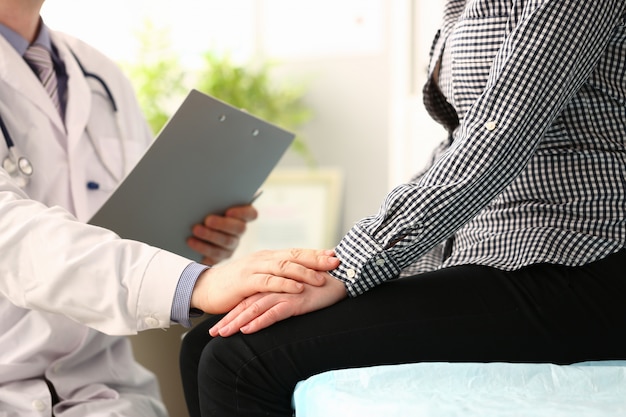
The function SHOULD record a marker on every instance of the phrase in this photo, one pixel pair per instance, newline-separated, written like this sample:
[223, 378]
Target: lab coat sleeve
[54, 263]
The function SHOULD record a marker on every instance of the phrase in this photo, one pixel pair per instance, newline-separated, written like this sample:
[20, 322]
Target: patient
[512, 241]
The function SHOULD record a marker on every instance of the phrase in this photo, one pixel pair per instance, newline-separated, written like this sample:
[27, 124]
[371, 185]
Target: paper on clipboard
[209, 156]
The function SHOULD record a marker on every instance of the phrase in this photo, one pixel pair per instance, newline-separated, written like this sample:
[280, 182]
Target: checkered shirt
[533, 94]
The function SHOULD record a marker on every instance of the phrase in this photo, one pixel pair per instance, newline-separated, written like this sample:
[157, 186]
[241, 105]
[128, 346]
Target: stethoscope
[21, 169]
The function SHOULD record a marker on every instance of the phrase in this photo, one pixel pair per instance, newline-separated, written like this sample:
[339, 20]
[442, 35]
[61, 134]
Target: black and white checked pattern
[535, 170]
[40, 61]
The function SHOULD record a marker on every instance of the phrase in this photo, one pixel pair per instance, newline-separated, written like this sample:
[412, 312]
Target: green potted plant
[160, 80]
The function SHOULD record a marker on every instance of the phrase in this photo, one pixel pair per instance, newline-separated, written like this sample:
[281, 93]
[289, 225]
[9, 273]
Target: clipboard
[208, 157]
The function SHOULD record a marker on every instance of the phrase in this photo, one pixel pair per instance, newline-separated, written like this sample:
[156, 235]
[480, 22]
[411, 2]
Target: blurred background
[345, 76]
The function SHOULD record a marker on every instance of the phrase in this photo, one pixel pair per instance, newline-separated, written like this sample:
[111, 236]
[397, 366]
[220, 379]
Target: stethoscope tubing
[98, 78]
[5, 134]
[21, 166]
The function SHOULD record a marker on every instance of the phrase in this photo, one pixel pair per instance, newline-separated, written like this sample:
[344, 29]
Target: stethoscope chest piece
[20, 169]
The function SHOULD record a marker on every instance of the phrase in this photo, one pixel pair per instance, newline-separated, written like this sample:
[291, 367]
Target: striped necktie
[40, 61]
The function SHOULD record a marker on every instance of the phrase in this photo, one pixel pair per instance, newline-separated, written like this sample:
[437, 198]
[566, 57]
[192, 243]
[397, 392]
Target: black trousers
[541, 313]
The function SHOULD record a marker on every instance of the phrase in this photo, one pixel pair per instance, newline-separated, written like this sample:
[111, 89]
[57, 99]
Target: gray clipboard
[208, 157]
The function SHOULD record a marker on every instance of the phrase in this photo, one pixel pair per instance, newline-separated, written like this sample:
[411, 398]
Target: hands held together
[267, 286]
[262, 288]
[264, 309]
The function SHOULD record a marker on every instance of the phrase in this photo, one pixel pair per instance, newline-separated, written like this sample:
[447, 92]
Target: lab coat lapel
[17, 74]
[78, 94]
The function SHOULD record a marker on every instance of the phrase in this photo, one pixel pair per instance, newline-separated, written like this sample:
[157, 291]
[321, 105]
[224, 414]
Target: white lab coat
[52, 264]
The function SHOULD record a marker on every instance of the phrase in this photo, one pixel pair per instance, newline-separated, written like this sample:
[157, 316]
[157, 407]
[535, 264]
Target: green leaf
[159, 81]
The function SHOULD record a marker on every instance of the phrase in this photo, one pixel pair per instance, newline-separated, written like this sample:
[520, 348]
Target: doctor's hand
[218, 236]
[262, 310]
[220, 288]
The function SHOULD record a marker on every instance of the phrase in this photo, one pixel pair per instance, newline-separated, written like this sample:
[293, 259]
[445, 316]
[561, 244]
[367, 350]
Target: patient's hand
[262, 310]
[221, 288]
[217, 238]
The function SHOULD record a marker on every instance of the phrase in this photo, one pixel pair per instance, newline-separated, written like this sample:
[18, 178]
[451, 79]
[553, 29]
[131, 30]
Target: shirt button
[490, 125]
[39, 405]
[351, 273]
[152, 322]
[380, 262]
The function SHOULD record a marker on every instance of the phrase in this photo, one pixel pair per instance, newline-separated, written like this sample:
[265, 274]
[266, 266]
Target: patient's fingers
[256, 313]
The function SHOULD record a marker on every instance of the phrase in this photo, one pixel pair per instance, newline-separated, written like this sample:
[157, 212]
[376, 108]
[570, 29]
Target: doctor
[60, 161]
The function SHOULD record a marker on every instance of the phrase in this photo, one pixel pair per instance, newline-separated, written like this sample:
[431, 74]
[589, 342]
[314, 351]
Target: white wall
[367, 63]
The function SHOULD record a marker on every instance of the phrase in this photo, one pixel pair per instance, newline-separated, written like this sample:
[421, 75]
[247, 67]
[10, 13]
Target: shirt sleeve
[541, 63]
[182, 297]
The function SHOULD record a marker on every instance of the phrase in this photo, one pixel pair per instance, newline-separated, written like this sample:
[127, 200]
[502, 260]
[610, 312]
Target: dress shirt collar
[20, 44]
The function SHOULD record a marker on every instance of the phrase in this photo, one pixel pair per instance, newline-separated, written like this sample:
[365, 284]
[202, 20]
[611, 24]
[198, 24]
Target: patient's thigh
[542, 313]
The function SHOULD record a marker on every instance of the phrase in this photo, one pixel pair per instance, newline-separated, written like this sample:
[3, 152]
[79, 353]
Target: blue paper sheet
[589, 389]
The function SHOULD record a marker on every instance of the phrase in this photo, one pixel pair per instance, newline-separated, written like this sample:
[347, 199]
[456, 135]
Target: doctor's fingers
[233, 222]
[281, 262]
[269, 267]
[244, 213]
[321, 259]
[211, 254]
[216, 237]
